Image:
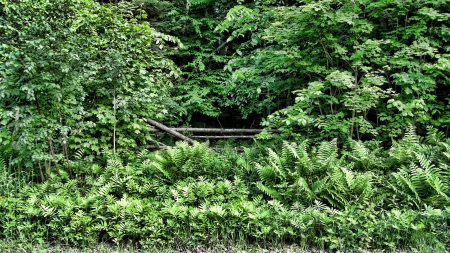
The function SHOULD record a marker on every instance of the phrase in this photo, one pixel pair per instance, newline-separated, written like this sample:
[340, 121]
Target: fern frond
[178, 155]
[434, 136]
[319, 185]
[276, 163]
[159, 167]
[411, 136]
[302, 186]
[289, 156]
[446, 152]
[277, 206]
[114, 165]
[267, 190]
[349, 177]
[336, 198]
[292, 149]
[365, 155]
[79, 154]
[327, 153]
[104, 190]
[377, 200]
[402, 180]
[142, 155]
[266, 173]
[319, 206]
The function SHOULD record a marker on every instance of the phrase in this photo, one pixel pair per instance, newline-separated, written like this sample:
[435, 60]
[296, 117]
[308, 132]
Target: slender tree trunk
[50, 145]
[52, 153]
[353, 123]
[115, 119]
[64, 145]
[41, 172]
[357, 132]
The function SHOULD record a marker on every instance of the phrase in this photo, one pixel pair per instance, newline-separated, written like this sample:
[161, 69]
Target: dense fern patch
[358, 197]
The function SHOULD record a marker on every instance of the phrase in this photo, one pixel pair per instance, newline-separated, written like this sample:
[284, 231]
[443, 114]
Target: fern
[434, 136]
[366, 156]
[185, 161]
[410, 136]
[179, 155]
[302, 187]
[266, 173]
[159, 165]
[327, 153]
[319, 185]
[295, 174]
[104, 190]
[348, 187]
[268, 190]
[422, 180]
[249, 157]
[277, 164]
[289, 156]
[79, 154]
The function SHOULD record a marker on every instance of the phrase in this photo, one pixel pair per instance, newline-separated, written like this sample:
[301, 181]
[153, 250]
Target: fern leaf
[266, 173]
[319, 185]
[276, 163]
[160, 168]
[267, 190]
[302, 186]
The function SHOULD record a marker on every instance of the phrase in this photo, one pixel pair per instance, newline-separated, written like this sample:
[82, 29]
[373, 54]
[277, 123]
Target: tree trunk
[170, 131]
[225, 137]
[219, 130]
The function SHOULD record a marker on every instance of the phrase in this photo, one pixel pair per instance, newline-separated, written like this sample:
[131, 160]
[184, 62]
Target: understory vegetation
[356, 197]
[357, 91]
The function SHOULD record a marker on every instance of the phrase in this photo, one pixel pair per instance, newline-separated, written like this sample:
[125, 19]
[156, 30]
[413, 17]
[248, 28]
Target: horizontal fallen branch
[170, 131]
[176, 132]
[218, 130]
[215, 149]
[224, 137]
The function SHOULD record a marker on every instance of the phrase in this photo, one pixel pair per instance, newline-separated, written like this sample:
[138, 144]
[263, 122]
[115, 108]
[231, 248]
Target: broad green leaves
[379, 65]
[76, 75]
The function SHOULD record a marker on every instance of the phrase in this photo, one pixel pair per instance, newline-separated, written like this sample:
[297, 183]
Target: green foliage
[367, 156]
[192, 195]
[201, 59]
[358, 69]
[77, 75]
[185, 161]
[298, 175]
[360, 82]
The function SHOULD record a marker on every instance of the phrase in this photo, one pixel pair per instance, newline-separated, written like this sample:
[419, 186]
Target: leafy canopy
[77, 75]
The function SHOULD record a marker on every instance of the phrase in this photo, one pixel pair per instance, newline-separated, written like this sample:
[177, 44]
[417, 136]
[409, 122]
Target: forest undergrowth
[350, 197]
[358, 89]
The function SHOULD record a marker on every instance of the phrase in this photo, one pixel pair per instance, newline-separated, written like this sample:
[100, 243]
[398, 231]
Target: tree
[75, 75]
[202, 88]
[359, 69]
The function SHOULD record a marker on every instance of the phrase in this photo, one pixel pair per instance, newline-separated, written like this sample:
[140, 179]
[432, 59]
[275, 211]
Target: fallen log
[219, 130]
[240, 150]
[224, 137]
[170, 131]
